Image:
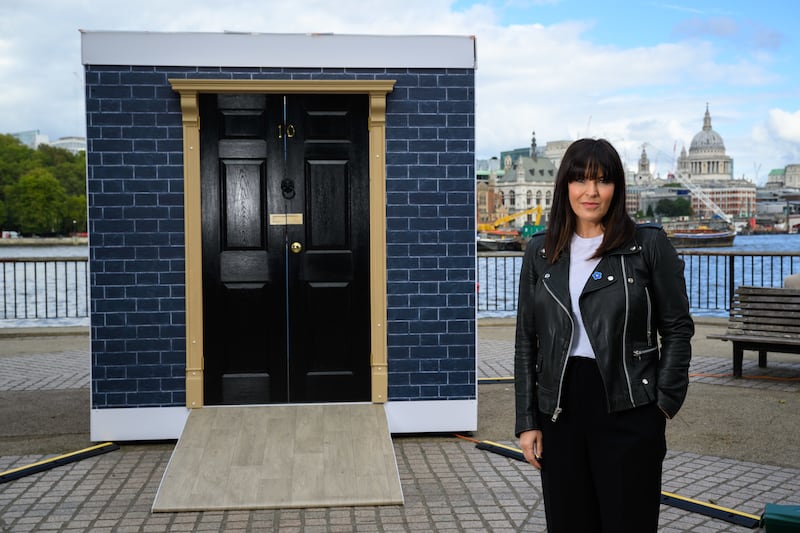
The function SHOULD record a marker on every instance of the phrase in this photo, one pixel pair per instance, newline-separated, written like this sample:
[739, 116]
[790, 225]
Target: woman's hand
[532, 447]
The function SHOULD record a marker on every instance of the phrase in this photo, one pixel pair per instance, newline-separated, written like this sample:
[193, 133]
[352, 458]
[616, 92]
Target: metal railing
[44, 288]
[38, 288]
[711, 278]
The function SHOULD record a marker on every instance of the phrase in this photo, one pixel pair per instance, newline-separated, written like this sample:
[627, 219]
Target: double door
[285, 248]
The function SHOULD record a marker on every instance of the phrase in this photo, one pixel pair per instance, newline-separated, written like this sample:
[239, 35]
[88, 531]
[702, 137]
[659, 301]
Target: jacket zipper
[625, 330]
[558, 408]
[650, 343]
[649, 316]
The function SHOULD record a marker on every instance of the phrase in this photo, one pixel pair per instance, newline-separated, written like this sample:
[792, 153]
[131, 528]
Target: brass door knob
[296, 247]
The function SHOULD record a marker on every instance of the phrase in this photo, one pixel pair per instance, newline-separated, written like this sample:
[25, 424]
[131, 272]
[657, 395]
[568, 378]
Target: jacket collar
[606, 273]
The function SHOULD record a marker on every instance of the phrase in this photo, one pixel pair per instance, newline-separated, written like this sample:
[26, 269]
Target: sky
[639, 74]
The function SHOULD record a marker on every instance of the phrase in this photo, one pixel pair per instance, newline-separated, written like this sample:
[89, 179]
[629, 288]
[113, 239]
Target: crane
[697, 192]
[494, 225]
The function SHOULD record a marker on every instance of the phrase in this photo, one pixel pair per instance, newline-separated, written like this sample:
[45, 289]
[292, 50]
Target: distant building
[73, 144]
[776, 178]
[487, 201]
[791, 177]
[527, 181]
[706, 160]
[788, 176]
[643, 177]
[32, 139]
[735, 198]
[554, 151]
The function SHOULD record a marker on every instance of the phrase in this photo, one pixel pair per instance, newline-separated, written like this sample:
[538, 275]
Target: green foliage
[674, 208]
[36, 202]
[42, 191]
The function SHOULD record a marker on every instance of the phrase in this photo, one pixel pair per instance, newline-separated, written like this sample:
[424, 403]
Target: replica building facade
[280, 219]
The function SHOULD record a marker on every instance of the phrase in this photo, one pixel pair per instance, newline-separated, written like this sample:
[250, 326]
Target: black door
[285, 204]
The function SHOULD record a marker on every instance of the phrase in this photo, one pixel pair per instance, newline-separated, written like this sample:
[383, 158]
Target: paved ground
[734, 444]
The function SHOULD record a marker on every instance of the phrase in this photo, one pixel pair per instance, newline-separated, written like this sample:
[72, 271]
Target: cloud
[784, 125]
[698, 27]
[775, 141]
[745, 34]
[549, 78]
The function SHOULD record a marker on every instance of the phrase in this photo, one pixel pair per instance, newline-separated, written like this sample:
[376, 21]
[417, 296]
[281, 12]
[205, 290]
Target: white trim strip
[324, 50]
[143, 423]
[435, 416]
[166, 423]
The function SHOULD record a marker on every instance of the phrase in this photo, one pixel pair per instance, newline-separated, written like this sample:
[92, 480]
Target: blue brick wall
[135, 184]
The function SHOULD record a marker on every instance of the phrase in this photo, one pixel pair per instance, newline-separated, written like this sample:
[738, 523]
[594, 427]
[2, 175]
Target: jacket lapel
[606, 273]
[556, 277]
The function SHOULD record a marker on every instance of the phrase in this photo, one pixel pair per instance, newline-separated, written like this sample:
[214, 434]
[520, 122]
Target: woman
[594, 386]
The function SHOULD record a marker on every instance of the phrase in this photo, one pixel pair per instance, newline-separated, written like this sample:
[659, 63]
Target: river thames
[497, 284]
[705, 275]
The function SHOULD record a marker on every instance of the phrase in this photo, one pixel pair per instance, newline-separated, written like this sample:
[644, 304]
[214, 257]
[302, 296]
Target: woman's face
[590, 199]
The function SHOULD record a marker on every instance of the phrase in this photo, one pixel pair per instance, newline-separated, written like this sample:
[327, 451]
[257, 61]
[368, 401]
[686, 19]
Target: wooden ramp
[280, 456]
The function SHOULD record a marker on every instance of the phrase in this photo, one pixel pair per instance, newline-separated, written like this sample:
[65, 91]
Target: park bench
[763, 319]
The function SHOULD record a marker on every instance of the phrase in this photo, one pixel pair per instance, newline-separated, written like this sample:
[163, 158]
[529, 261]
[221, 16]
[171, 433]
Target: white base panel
[435, 416]
[143, 423]
[166, 423]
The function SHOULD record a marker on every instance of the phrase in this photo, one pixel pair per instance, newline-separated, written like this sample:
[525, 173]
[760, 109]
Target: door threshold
[287, 404]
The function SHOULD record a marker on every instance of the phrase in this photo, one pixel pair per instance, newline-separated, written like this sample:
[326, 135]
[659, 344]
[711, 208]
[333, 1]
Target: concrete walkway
[734, 444]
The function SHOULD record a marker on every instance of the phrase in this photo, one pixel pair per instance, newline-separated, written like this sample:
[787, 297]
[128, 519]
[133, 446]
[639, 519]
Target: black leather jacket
[640, 294]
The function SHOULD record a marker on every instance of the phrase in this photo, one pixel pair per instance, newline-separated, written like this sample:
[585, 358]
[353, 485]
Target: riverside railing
[711, 278]
[44, 288]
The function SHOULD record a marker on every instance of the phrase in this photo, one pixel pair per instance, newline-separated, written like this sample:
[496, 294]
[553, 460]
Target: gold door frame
[189, 90]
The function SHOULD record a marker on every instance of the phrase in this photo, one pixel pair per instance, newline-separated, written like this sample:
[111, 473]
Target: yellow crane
[493, 226]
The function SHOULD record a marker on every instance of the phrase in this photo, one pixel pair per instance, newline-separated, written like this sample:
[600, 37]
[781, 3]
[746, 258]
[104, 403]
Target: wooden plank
[283, 456]
[756, 339]
[764, 319]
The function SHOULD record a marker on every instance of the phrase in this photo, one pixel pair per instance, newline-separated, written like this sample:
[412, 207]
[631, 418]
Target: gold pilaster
[189, 90]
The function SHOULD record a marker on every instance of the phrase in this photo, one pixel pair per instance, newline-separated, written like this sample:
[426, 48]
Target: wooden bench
[763, 319]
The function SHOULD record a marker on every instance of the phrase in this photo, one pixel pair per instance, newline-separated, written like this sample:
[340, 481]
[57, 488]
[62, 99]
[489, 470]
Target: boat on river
[498, 241]
[700, 235]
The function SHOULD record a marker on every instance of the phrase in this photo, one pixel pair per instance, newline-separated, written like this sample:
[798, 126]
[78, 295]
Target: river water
[498, 277]
[742, 243]
[497, 280]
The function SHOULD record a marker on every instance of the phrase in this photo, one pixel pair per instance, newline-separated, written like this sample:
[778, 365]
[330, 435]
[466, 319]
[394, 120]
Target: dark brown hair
[586, 158]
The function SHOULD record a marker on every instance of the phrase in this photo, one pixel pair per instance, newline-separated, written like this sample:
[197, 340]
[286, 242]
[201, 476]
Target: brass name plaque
[286, 219]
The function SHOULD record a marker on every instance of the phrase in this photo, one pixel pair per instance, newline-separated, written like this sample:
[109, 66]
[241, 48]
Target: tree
[68, 168]
[74, 210]
[674, 208]
[15, 160]
[36, 202]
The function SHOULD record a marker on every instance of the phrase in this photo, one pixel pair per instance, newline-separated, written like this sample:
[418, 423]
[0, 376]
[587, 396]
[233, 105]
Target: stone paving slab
[496, 359]
[448, 484]
[47, 371]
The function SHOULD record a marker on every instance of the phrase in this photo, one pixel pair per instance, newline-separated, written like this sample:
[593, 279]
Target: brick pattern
[448, 485]
[135, 189]
[431, 236]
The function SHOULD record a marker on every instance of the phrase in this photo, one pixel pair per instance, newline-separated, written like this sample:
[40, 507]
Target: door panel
[284, 323]
[240, 313]
[327, 205]
[332, 276]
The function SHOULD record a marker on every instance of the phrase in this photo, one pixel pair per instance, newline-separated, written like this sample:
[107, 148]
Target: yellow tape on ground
[710, 505]
[57, 458]
[665, 493]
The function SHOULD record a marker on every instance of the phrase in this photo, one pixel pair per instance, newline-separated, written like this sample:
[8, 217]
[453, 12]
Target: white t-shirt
[580, 268]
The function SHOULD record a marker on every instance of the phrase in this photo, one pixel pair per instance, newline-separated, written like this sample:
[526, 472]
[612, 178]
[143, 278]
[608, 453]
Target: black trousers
[601, 471]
